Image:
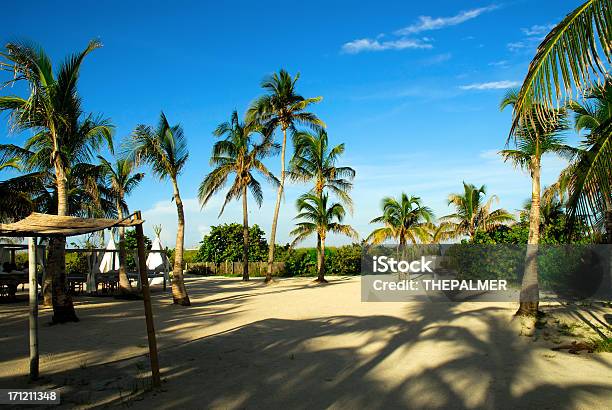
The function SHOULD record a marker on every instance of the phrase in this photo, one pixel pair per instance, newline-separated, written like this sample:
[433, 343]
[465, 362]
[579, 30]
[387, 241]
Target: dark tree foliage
[131, 247]
[224, 244]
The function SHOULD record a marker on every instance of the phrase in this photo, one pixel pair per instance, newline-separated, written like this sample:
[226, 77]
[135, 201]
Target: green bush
[344, 260]
[224, 243]
[76, 263]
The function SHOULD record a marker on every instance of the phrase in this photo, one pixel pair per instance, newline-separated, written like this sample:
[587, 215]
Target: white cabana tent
[157, 261]
[110, 260]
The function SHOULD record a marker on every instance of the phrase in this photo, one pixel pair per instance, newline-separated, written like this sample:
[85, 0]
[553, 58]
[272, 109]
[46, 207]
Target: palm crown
[315, 161]
[534, 137]
[406, 220]
[319, 216]
[121, 179]
[282, 106]
[164, 148]
[472, 213]
[237, 154]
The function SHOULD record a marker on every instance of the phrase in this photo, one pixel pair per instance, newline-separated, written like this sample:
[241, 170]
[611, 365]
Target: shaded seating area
[46, 226]
[11, 274]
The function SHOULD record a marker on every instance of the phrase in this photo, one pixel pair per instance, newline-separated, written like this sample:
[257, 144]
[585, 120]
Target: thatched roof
[53, 225]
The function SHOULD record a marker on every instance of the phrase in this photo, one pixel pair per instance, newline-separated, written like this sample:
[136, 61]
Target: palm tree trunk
[179, 292]
[125, 287]
[321, 261]
[279, 197]
[530, 293]
[245, 236]
[63, 309]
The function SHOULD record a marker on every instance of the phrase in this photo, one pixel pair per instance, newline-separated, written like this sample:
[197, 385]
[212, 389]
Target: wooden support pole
[33, 293]
[146, 294]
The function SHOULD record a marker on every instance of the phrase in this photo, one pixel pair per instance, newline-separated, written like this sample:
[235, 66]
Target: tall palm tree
[573, 56]
[405, 221]
[472, 213]
[315, 161]
[164, 149]
[533, 138]
[588, 178]
[61, 131]
[238, 154]
[122, 179]
[282, 107]
[320, 217]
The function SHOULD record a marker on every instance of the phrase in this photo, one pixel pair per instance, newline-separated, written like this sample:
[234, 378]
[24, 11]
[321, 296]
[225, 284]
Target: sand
[296, 344]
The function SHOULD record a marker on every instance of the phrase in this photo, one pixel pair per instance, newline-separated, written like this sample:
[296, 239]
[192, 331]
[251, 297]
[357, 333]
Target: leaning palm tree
[473, 213]
[405, 221]
[320, 218]
[122, 179]
[282, 107]
[573, 56]
[62, 134]
[164, 149]
[238, 154]
[588, 179]
[534, 138]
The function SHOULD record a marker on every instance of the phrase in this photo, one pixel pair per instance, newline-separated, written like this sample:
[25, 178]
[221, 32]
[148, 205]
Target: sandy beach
[300, 345]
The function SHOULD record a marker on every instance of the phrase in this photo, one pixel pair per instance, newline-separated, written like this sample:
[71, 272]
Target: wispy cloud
[368, 44]
[533, 36]
[427, 23]
[437, 59]
[538, 30]
[493, 85]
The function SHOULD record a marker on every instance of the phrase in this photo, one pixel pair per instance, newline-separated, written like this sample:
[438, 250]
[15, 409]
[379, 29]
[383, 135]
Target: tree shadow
[434, 355]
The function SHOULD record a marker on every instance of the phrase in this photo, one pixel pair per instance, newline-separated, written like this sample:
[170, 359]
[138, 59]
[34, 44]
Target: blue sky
[413, 90]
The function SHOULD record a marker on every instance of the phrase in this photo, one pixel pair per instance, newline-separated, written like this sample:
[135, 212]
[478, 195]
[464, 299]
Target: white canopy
[157, 261]
[107, 264]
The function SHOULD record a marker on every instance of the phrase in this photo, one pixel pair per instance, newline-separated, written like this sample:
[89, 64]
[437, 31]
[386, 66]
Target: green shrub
[224, 244]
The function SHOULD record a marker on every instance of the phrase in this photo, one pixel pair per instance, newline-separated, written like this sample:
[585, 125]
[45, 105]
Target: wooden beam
[33, 293]
[146, 294]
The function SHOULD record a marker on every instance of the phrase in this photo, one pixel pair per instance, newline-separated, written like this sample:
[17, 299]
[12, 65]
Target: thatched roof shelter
[37, 225]
[43, 225]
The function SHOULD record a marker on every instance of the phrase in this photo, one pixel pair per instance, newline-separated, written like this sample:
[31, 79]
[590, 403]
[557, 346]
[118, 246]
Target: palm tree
[587, 179]
[164, 149]
[61, 135]
[472, 213]
[315, 161]
[122, 179]
[551, 209]
[320, 218]
[405, 221]
[238, 154]
[573, 56]
[281, 108]
[442, 231]
[533, 138]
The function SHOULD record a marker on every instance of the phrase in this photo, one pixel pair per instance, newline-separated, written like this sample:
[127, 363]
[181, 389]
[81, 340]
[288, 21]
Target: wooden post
[146, 294]
[33, 293]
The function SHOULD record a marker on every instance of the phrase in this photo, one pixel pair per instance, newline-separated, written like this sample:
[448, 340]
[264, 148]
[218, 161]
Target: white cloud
[426, 23]
[367, 44]
[493, 85]
[538, 30]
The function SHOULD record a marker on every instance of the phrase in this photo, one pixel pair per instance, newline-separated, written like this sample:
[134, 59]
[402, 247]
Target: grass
[603, 345]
